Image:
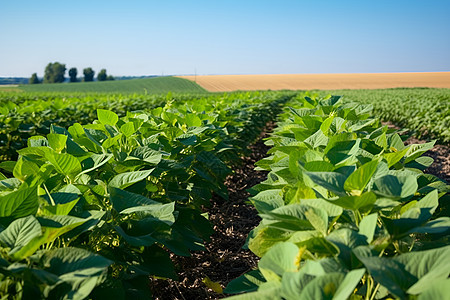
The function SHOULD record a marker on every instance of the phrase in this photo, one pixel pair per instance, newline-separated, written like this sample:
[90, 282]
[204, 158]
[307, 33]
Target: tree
[34, 79]
[110, 77]
[54, 73]
[88, 74]
[73, 74]
[102, 75]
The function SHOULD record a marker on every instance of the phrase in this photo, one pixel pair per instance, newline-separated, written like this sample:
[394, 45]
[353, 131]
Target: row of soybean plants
[347, 212]
[424, 111]
[28, 114]
[94, 210]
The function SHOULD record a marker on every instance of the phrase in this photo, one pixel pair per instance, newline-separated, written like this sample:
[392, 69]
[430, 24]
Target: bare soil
[225, 83]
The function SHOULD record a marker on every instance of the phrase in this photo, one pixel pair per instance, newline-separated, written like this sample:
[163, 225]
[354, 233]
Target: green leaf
[416, 215]
[19, 203]
[330, 180]
[395, 187]
[358, 180]
[147, 154]
[128, 129]
[248, 282]
[128, 178]
[107, 117]
[281, 258]
[348, 285]
[416, 150]
[318, 219]
[368, 225]
[394, 157]
[95, 161]
[37, 141]
[366, 200]
[428, 266]
[65, 164]
[57, 141]
[439, 289]
[411, 272]
[20, 232]
[122, 200]
[80, 269]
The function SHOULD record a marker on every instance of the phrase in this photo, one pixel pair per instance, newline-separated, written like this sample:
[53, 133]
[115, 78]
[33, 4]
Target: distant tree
[102, 75]
[88, 74]
[34, 79]
[54, 73]
[73, 74]
[110, 77]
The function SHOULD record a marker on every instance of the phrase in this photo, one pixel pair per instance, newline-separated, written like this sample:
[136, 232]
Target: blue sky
[225, 37]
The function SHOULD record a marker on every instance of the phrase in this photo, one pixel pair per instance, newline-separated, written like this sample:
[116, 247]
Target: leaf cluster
[347, 211]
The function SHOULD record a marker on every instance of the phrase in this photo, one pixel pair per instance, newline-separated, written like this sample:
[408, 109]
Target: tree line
[55, 72]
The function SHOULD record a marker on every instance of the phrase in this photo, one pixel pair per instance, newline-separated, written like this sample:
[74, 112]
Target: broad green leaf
[318, 219]
[438, 225]
[366, 200]
[416, 150]
[161, 212]
[80, 269]
[415, 216]
[65, 164]
[439, 289]
[267, 291]
[25, 168]
[19, 203]
[427, 266]
[95, 161]
[147, 154]
[57, 141]
[279, 259]
[128, 178]
[357, 181]
[107, 117]
[323, 287]
[248, 282]
[330, 180]
[122, 200]
[349, 284]
[368, 225]
[394, 157]
[265, 238]
[317, 139]
[395, 187]
[37, 141]
[128, 129]
[59, 209]
[20, 232]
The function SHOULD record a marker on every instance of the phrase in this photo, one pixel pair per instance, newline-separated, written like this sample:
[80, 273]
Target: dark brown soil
[224, 259]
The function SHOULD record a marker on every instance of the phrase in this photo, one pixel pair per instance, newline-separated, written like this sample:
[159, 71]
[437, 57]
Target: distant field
[223, 83]
[157, 85]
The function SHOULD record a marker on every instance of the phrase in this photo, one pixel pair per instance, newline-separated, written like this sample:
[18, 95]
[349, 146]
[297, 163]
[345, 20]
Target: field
[157, 85]
[158, 188]
[225, 83]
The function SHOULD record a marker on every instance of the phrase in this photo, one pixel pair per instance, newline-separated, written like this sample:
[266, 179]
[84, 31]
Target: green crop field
[100, 191]
[426, 111]
[157, 85]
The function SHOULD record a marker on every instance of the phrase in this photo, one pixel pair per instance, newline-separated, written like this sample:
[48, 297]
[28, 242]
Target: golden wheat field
[224, 83]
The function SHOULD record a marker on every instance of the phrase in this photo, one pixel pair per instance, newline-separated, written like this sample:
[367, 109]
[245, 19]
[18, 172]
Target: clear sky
[148, 37]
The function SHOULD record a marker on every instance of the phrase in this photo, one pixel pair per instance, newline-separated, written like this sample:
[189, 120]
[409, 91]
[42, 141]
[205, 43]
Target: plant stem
[375, 292]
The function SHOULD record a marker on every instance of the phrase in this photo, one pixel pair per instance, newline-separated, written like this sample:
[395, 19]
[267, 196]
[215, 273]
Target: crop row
[94, 209]
[346, 210]
[25, 115]
[424, 111]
